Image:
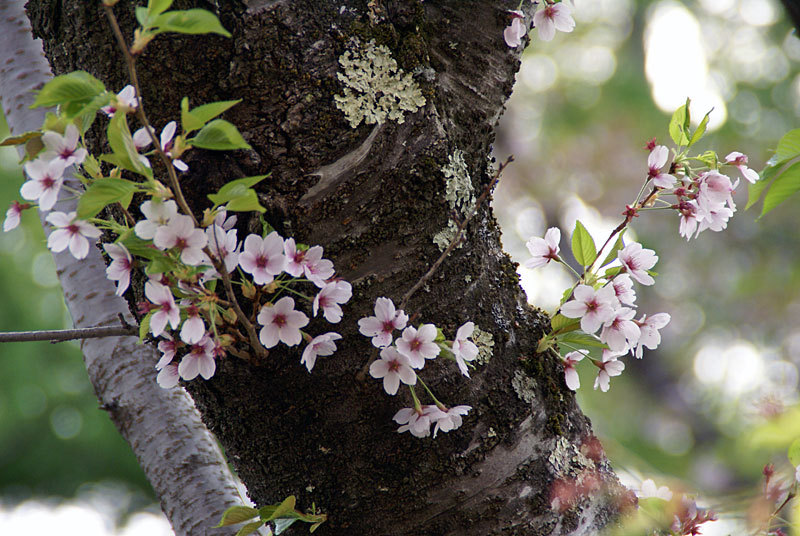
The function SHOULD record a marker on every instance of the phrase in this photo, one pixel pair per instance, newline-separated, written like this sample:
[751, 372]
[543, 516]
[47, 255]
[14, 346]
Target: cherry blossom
[193, 328]
[70, 232]
[263, 258]
[180, 233]
[223, 220]
[740, 161]
[385, 321]
[168, 348]
[650, 336]
[393, 367]
[463, 348]
[689, 218]
[46, 178]
[418, 345]
[316, 269]
[553, 17]
[620, 332]
[281, 323]
[13, 215]
[655, 161]
[451, 419]
[120, 268]
[199, 360]
[166, 145]
[418, 421]
[609, 367]
[544, 249]
[649, 490]
[515, 31]
[593, 307]
[166, 310]
[168, 377]
[636, 261]
[623, 288]
[716, 189]
[321, 345]
[63, 148]
[297, 259]
[126, 98]
[157, 214]
[571, 377]
[223, 245]
[712, 217]
[329, 298]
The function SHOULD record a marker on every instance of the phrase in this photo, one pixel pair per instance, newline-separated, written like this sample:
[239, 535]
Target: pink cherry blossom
[166, 145]
[516, 30]
[451, 419]
[593, 307]
[46, 179]
[168, 348]
[193, 328]
[168, 377]
[126, 98]
[623, 288]
[381, 326]
[544, 249]
[223, 245]
[418, 345]
[637, 261]
[157, 214]
[571, 377]
[418, 421]
[63, 148]
[463, 348]
[70, 232]
[223, 220]
[609, 367]
[656, 160]
[166, 310]
[281, 323]
[329, 298]
[321, 345]
[712, 217]
[716, 190]
[263, 258]
[199, 360]
[553, 17]
[620, 332]
[394, 368]
[689, 218]
[13, 215]
[120, 268]
[181, 234]
[296, 258]
[650, 336]
[740, 161]
[317, 269]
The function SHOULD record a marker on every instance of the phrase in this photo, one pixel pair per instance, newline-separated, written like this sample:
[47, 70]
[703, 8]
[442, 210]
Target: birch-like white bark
[177, 453]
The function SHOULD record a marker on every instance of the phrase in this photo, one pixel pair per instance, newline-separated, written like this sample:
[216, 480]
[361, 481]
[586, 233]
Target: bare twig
[59, 335]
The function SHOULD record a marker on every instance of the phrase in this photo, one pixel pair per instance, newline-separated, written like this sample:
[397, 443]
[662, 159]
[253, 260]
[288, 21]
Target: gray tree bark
[525, 460]
[178, 455]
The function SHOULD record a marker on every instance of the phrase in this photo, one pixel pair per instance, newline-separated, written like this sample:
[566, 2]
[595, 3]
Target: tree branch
[60, 335]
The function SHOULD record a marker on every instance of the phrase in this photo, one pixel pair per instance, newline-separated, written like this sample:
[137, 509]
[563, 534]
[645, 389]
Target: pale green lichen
[375, 88]
[524, 386]
[459, 193]
[485, 342]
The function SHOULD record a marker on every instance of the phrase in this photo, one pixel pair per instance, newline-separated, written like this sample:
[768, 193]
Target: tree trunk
[163, 427]
[374, 195]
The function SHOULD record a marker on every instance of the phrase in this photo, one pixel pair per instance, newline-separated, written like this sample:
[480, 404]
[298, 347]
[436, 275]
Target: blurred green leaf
[700, 130]
[583, 247]
[794, 453]
[784, 185]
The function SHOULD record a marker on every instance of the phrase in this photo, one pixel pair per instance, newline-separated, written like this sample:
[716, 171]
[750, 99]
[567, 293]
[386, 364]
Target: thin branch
[60, 335]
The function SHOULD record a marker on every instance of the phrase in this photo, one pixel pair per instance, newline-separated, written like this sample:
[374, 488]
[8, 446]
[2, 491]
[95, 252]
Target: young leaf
[250, 528]
[677, 124]
[700, 130]
[189, 122]
[121, 141]
[783, 186]
[142, 17]
[283, 524]
[239, 195]
[709, 158]
[237, 514]
[794, 453]
[77, 86]
[207, 112]
[219, 135]
[788, 148]
[561, 323]
[20, 139]
[191, 21]
[612, 254]
[103, 192]
[144, 327]
[755, 190]
[583, 247]
[579, 338]
[157, 7]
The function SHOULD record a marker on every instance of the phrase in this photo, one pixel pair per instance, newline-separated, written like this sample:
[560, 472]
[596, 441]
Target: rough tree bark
[163, 427]
[374, 197]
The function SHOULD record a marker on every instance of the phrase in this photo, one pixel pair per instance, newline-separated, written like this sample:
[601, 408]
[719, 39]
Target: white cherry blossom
[126, 97]
[63, 148]
[636, 261]
[13, 215]
[516, 30]
[381, 326]
[45, 180]
[593, 307]
[571, 377]
[166, 145]
[418, 345]
[168, 348]
[623, 288]
[263, 258]
[157, 214]
[655, 161]
[321, 345]
[180, 233]
[329, 298]
[223, 245]
[609, 367]
[281, 323]
[193, 329]
[463, 348]
[553, 17]
[740, 161]
[70, 232]
[544, 249]
[199, 361]
[451, 419]
[394, 368]
[120, 268]
[650, 336]
[418, 422]
[620, 332]
[649, 490]
[166, 310]
[168, 377]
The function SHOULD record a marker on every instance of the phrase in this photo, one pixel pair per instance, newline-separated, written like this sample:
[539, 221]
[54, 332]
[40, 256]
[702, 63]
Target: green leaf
[250, 528]
[219, 135]
[612, 272]
[121, 141]
[700, 130]
[144, 327]
[160, 264]
[157, 7]
[794, 453]
[579, 338]
[284, 509]
[755, 190]
[612, 254]
[783, 186]
[102, 192]
[237, 514]
[189, 122]
[20, 139]
[788, 148]
[283, 524]
[709, 158]
[583, 247]
[143, 17]
[239, 195]
[678, 123]
[78, 86]
[315, 526]
[207, 112]
[191, 21]
[560, 323]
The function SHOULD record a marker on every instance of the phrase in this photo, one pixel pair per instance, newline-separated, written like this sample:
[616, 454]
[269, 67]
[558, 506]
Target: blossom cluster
[401, 358]
[551, 17]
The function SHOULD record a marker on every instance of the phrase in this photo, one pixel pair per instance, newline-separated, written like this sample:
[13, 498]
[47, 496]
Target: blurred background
[704, 413]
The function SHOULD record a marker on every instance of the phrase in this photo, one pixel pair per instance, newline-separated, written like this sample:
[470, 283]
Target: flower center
[279, 320]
